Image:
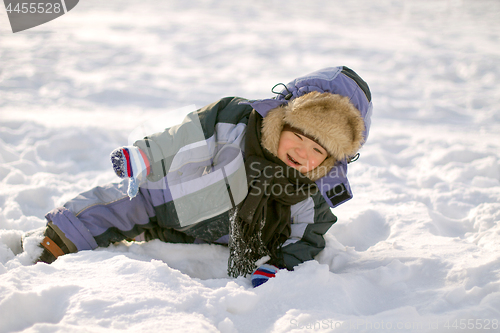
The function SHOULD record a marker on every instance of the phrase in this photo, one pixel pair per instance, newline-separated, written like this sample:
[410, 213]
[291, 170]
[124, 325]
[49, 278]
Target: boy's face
[300, 152]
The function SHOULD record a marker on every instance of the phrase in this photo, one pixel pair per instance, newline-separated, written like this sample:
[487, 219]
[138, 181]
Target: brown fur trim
[330, 118]
[272, 125]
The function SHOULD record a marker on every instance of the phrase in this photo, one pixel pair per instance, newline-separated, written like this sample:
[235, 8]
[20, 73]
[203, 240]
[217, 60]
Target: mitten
[130, 162]
[263, 273]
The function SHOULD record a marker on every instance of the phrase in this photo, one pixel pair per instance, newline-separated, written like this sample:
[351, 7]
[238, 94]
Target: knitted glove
[263, 273]
[130, 162]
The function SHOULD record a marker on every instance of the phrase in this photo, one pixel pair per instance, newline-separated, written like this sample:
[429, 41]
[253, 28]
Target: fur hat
[331, 119]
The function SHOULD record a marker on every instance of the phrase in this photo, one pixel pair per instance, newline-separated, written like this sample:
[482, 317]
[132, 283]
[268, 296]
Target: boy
[260, 176]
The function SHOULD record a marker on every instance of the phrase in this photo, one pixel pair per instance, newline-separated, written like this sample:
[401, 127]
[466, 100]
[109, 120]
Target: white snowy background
[416, 250]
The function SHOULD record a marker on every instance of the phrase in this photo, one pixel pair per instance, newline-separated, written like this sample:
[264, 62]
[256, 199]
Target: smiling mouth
[292, 160]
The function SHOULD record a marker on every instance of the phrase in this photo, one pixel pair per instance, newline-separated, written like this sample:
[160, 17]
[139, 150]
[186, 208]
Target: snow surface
[417, 248]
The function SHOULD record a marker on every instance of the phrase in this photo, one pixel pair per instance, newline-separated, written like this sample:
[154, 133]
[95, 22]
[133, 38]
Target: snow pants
[105, 214]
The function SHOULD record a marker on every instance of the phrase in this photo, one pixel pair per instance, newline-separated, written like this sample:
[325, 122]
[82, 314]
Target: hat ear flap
[272, 125]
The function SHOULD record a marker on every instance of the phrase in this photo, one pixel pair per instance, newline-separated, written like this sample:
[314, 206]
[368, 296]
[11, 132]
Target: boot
[55, 244]
[52, 242]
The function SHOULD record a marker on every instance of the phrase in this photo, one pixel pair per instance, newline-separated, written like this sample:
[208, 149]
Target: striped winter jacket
[203, 160]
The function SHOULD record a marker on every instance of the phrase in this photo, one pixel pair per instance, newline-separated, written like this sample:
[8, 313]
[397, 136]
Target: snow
[415, 250]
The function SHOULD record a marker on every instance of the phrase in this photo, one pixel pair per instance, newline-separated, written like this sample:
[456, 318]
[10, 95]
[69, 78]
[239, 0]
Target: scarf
[260, 224]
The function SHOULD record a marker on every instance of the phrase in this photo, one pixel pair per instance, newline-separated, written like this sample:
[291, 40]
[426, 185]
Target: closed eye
[316, 149]
[319, 151]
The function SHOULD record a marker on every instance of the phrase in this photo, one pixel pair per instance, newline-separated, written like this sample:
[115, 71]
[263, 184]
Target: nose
[301, 151]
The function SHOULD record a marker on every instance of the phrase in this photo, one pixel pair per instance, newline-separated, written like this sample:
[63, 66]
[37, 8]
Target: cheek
[316, 161]
[284, 145]
[281, 149]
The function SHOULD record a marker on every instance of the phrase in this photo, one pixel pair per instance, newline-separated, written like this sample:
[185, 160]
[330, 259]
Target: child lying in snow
[260, 176]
